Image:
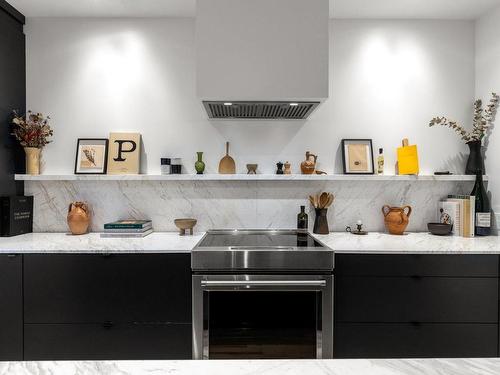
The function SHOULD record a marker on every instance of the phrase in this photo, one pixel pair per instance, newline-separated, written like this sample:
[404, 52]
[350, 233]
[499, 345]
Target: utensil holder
[321, 221]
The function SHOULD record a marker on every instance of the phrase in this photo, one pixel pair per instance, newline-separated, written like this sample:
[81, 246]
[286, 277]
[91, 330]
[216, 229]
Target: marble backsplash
[236, 204]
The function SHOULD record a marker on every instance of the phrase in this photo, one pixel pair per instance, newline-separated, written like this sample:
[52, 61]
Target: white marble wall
[236, 204]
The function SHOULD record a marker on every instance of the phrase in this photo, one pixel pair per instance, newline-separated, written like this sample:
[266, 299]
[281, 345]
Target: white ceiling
[437, 9]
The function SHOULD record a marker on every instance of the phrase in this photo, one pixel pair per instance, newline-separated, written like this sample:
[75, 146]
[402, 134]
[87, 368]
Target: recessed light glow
[294, 104]
[228, 103]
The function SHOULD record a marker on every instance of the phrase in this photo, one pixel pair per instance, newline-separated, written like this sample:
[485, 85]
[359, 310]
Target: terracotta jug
[309, 165]
[396, 219]
[78, 217]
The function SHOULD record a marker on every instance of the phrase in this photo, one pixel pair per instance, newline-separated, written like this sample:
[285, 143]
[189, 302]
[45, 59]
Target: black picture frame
[98, 141]
[371, 162]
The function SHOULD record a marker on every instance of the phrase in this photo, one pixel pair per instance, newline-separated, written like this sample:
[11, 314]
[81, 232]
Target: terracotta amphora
[78, 218]
[396, 219]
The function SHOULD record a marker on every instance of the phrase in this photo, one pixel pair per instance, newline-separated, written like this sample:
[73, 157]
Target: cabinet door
[426, 299]
[84, 288]
[11, 308]
[107, 341]
[12, 96]
[368, 340]
[462, 265]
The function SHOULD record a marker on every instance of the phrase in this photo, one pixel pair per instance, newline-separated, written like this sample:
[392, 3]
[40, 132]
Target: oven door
[262, 316]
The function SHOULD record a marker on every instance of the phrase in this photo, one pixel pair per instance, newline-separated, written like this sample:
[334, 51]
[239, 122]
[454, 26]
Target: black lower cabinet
[107, 341]
[397, 306]
[11, 308]
[107, 307]
[363, 340]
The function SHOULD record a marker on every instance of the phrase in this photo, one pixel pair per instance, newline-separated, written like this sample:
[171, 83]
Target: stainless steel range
[262, 294]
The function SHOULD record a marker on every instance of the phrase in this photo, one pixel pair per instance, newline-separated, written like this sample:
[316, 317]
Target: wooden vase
[396, 219]
[78, 218]
[32, 160]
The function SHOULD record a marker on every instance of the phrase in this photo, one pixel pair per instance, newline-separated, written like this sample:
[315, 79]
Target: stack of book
[459, 210]
[128, 228]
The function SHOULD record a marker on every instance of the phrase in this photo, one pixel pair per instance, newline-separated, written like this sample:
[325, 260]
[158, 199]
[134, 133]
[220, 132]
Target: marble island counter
[171, 242]
[275, 367]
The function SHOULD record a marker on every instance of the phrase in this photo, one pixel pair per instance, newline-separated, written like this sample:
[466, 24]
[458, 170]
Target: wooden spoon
[330, 200]
[311, 199]
[323, 200]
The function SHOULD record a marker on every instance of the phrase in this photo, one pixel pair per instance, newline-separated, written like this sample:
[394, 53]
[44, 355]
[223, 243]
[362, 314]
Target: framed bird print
[91, 156]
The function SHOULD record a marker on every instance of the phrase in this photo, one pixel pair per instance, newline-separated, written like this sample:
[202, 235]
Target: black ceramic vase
[321, 221]
[475, 161]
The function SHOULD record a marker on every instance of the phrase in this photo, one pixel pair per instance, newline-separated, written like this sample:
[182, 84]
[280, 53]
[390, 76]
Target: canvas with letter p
[124, 156]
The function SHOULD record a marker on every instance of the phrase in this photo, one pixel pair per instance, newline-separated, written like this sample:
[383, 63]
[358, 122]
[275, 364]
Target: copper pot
[78, 218]
[396, 219]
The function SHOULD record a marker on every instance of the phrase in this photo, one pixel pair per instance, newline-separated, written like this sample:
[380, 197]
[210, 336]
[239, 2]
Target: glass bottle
[483, 207]
[380, 161]
[302, 219]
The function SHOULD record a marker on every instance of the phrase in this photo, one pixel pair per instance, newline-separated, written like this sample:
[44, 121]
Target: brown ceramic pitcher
[396, 219]
[78, 217]
[309, 165]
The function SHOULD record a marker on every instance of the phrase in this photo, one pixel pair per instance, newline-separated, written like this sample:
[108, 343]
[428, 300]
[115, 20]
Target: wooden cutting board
[227, 164]
[407, 159]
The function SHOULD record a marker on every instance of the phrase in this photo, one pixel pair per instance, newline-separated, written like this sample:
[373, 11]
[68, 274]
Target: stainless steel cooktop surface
[260, 250]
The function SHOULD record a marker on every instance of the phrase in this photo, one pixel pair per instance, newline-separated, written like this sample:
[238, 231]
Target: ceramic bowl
[252, 168]
[185, 224]
[440, 229]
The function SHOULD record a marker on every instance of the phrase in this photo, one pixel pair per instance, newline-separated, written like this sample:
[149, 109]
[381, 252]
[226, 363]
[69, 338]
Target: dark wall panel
[12, 95]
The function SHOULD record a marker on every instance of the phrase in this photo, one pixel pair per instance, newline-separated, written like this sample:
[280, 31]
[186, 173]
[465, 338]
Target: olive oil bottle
[302, 220]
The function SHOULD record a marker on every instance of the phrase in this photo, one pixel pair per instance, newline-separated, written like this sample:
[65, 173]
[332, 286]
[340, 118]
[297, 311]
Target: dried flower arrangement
[32, 130]
[483, 120]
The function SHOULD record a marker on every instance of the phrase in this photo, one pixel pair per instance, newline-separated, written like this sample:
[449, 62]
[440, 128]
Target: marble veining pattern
[482, 366]
[373, 243]
[93, 243]
[236, 204]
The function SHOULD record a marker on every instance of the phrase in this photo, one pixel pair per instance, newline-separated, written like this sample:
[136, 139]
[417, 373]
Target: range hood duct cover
[262, 55]
[259, 110]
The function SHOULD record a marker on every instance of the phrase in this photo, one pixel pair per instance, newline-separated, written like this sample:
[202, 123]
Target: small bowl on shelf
[440, 229]
[252, 168]
[184, 225]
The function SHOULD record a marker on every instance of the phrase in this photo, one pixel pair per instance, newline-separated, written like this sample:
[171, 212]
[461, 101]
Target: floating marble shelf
[241, 177]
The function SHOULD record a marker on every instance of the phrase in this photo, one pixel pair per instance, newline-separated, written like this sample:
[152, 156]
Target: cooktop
[258, 239]
[233, 250]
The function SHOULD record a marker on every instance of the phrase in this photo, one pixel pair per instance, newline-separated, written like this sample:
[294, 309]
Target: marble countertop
[373, 243]
[157, 242]
[280, 367]
[409, 243]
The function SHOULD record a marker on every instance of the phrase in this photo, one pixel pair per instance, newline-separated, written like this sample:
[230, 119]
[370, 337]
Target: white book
[472, 214]
[450, 212]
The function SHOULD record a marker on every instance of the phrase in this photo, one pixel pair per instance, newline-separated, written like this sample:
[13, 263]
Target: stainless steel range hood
[262, 59]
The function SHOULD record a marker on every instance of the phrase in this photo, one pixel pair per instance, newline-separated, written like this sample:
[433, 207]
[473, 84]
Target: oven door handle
[262, 283]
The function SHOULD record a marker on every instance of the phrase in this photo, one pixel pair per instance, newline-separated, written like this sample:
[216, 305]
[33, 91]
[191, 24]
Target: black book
[16, 215]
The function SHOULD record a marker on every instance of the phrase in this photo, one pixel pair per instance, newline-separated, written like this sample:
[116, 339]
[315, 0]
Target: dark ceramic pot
[475, 162]
[321, 221]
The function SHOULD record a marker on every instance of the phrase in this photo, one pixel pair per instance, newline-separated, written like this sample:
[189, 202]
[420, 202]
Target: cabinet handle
[416, 277]
[107, 324]
[11, 255]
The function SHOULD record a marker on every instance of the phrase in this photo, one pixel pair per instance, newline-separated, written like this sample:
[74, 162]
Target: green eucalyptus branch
[483, 119]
